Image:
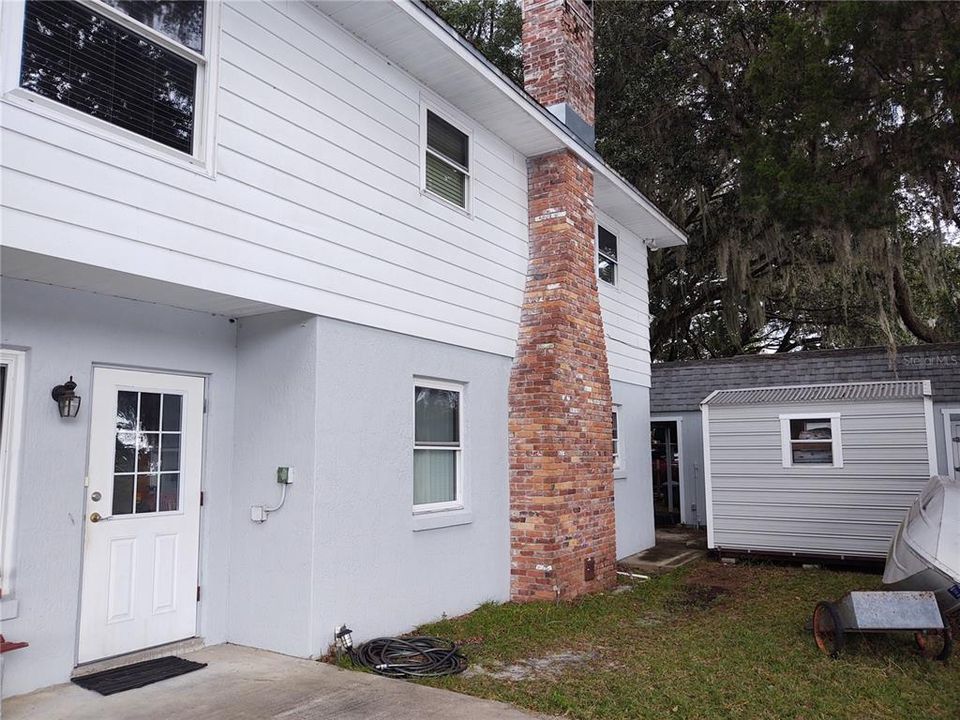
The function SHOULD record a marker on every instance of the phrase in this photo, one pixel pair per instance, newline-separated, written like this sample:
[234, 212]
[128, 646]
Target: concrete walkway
[675, 546]
[245, 684]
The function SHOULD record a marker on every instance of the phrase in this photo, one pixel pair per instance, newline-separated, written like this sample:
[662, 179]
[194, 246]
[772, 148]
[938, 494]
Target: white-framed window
[811, 440]
[446, 156]
[12, 366]
[138, 72]
[437, 446]
[616, 437]
[607, 269]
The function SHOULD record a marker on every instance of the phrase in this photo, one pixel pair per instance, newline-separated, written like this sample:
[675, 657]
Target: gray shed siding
[758, 505]
[678, 389]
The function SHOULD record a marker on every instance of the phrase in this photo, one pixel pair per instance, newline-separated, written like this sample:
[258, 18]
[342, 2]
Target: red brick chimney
[561, 468]
[558, 65]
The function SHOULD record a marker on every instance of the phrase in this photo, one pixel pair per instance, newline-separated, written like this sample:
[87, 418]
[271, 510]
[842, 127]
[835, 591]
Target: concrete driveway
[245, 684]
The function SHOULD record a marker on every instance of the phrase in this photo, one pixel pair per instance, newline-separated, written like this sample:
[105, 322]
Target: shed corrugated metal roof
[894, 390]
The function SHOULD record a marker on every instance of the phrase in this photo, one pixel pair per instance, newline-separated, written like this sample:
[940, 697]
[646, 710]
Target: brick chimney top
[558, 67]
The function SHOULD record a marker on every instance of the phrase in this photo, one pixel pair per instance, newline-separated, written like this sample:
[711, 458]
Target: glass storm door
[142, 524]
[666, 473]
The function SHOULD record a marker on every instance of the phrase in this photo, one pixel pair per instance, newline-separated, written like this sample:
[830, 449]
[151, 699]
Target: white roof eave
[518, 118]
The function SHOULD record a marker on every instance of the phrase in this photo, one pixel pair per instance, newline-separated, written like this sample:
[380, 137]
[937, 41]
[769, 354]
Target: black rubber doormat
[128, 677]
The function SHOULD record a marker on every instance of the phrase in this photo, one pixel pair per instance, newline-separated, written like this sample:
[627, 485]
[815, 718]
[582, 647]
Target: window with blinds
[607, 259]
[447, 160]
[437, 447]
[142, 81]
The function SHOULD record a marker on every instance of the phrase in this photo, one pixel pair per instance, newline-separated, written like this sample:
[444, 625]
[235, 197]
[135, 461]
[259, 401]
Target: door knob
[95, 517]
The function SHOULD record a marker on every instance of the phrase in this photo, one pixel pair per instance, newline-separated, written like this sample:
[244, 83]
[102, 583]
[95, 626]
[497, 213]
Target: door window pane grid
[147, 459]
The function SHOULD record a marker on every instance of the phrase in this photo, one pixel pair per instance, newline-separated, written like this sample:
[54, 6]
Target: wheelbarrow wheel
[828, 629]
[936, 644]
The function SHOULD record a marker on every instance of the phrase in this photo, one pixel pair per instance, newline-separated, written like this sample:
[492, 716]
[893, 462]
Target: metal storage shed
[815, 470]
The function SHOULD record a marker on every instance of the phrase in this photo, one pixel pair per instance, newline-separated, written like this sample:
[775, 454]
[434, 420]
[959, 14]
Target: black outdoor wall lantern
[67, 400]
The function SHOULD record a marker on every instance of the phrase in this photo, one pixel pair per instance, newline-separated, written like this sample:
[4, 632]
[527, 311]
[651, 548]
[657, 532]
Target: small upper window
[811, 441]
[447, 161]
[437, 447]
[606, 255]
[144, 81]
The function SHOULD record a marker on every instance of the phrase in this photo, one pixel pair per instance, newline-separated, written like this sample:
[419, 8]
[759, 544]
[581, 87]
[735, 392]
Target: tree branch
[920, 329]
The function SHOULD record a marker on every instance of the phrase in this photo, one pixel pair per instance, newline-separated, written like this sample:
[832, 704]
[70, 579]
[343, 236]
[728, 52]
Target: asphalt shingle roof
[681, 386]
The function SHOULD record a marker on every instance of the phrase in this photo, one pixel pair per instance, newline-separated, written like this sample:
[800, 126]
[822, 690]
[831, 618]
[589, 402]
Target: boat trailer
[882, 612]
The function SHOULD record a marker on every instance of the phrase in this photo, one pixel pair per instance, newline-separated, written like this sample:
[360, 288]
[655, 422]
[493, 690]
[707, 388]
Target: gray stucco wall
[66, 332]
[331, 399]
[335, 401]
[633, 491]
[376, 568]
[271, 564]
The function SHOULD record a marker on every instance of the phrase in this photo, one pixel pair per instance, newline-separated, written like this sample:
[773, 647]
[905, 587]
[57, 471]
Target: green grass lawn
[707, 641]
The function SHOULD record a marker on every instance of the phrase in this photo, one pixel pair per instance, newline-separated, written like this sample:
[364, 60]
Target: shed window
[437, 447]
[447, 160]
[809, 440]
[134, 65]
[606, 255]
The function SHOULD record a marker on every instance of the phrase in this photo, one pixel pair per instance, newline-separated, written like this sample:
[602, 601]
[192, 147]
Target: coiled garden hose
[412, 657]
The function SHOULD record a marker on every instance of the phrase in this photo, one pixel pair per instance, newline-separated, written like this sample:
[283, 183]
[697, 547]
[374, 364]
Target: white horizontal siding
[625, 309]
[315, 205]
[760, 505]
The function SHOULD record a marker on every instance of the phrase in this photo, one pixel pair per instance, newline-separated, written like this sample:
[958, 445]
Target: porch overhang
[25, 265]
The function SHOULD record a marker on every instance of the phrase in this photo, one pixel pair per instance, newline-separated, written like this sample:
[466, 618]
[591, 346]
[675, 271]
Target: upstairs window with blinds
[607, 259]
[447, 161]
[135, 65]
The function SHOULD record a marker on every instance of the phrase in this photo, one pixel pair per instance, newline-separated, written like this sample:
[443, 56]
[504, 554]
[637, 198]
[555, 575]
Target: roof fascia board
[470, 55]
[708, 398]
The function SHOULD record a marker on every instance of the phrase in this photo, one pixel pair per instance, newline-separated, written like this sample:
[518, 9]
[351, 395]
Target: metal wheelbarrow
[881, 612]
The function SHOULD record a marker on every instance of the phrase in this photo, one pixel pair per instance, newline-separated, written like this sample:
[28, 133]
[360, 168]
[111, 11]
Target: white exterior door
[142, 527]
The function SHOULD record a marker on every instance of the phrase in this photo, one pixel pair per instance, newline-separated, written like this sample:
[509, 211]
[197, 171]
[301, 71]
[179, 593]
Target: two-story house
[309, 316]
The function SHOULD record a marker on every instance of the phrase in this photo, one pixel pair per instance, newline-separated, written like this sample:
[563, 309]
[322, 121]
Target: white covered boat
[925, 553]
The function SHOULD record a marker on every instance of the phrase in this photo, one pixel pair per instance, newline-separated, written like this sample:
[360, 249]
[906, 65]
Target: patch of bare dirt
[730, 579]
[547, 667]
[694, 597]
